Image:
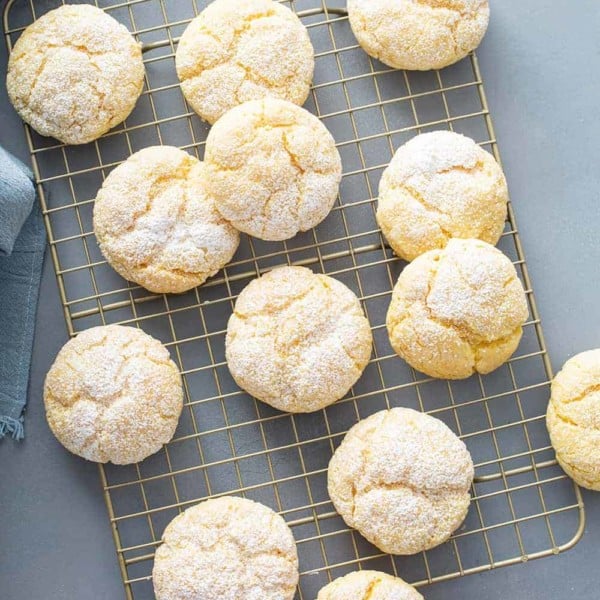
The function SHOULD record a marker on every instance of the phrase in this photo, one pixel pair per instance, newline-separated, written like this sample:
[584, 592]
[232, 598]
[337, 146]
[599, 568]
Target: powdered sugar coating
[75, 73]
[226, 549]
[240, 50]
[439, 186]
[402, 479]
[369, 585]
[297, 340]
[419, 34]
[574, 418]
[113, 395]
[457, 311]
[273, 169]
[157, 226]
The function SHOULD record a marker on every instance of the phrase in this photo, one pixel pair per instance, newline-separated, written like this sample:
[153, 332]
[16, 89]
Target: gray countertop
[540, 62]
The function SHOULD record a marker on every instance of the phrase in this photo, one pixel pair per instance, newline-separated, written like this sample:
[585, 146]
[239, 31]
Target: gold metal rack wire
[228, 443]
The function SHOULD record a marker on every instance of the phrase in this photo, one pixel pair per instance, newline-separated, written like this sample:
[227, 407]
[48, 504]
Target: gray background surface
[540, 63]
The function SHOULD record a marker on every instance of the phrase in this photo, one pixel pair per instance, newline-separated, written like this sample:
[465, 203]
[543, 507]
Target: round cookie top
[75, 73]
[113, 395]
[297, 340]
[419, 35]
[226, 549]
[369, 585]
[457, 311]
[157, 226]
[574, 418]
[402, 479]
[240, 50]
[439, 186]
[273, 169]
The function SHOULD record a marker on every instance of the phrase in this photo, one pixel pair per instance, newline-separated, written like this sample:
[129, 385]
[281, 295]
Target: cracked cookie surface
[419, 34]
[297, 340]
[240, 50]
[457, 311]
[226, 549]
[573, 418]
[113, 395]
[439, 186]
[273, 169]
[157, 226]
[369, 585]
[75, 73]
[402, 479]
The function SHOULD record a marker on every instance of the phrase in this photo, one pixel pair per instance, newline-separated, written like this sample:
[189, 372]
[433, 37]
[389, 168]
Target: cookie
[297, 340]
[421, 35]
[113, 395]
[273, 169]
[75, 73]
[439, 186]
[226, 549]
[457, 311]
[369, 585]
[240, 50]
[573, 418]
[402, 479]
[157, 226]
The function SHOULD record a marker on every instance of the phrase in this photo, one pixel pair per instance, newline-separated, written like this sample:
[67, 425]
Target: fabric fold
[22, 247]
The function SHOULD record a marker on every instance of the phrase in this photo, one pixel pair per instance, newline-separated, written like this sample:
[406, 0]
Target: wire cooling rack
[228, 443]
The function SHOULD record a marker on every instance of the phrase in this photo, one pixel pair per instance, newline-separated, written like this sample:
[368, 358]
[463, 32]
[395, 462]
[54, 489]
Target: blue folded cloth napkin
[22, 246]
